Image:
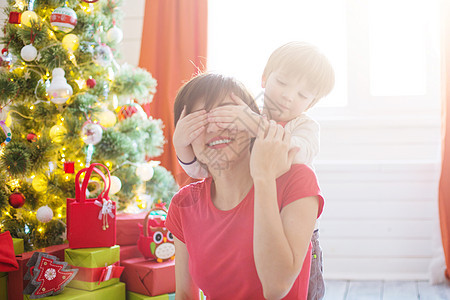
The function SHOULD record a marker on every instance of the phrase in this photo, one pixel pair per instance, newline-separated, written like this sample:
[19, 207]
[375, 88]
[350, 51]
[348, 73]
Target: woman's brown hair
[210, 88]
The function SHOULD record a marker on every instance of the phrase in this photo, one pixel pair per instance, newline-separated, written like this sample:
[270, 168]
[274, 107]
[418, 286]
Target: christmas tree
[65, 103]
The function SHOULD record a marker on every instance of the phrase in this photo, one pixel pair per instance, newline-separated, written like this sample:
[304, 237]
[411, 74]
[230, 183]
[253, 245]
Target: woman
[244, 232]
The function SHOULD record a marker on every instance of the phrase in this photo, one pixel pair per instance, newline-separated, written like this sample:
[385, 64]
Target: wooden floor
[385, 290]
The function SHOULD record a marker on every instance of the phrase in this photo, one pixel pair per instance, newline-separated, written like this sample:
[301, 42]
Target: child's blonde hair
[303, 60]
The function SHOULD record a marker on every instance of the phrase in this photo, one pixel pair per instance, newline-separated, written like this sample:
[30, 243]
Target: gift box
[18, 246]
[127, 252]
[91, 223]
[16, 283]
[3, 286]
[98, 267]
[149, 277]
[113, 292]
[136, 296]
[127, 230]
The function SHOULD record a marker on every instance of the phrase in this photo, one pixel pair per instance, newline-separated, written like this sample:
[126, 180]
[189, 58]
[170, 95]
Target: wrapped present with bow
[97, 267]
[91, 223]
[148, 277]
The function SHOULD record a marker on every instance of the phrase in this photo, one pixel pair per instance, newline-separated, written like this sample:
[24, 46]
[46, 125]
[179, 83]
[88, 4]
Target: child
[297, 75]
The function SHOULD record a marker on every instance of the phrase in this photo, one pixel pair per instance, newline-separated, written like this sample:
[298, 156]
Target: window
[385, 52]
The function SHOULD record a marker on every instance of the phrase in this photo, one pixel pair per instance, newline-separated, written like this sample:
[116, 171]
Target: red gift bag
[91, 223]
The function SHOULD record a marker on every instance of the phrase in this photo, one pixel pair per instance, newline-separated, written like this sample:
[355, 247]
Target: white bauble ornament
[91, 133]
[145, 171]
[116, 185]
[114, 35]
[63, 19]
[44, 214]
[28, 53]
[103, 55]
[107, 118]
[59, 91]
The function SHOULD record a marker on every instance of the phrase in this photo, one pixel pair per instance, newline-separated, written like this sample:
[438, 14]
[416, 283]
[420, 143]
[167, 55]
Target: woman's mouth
[219, 142]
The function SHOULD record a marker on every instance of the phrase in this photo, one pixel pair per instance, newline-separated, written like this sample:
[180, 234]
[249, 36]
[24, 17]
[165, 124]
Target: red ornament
[91, 82]
[16, 200]
[14, 17]
[69, 167]
[31, 137]
[128, 110]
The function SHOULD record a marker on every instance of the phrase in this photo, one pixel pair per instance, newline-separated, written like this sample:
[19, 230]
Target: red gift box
[149, 277]
[16, 283]
[127, 229]
[91, 223]
[130, 251]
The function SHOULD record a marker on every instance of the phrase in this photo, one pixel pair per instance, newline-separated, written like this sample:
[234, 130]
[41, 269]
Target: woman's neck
[230, 186]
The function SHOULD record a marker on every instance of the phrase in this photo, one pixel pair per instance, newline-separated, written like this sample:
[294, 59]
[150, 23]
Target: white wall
[379, 176]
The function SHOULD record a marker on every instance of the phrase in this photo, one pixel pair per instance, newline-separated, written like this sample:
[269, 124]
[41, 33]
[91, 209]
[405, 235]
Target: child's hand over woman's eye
[235, 117]
[271, 157]
[189, 127]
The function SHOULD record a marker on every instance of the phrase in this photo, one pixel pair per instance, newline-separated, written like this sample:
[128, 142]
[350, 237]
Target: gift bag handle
[77, 181]
[105, 192]
[146, 218]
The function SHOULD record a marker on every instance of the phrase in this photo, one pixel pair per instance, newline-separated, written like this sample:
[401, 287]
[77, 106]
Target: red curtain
[173, 49]
[444, 183]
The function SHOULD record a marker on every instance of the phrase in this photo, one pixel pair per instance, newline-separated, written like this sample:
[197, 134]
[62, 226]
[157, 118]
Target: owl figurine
[156, 241]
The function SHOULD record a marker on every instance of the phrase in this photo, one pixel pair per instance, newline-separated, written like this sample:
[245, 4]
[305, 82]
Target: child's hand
[271, 157]
[235, 117]
[188, 128]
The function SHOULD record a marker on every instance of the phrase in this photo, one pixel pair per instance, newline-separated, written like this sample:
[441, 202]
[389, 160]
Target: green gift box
[3, 286]
[113, 292]
[18, 246]
[91, 262]
[136, 296]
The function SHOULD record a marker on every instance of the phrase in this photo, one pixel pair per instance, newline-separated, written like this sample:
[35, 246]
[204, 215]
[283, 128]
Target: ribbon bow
[109, 272]
[105, 211]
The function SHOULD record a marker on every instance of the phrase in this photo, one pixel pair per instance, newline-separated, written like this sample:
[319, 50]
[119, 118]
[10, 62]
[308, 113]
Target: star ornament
[47, 275]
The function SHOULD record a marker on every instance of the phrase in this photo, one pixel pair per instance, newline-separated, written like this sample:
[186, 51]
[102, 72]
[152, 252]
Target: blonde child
[297, 75]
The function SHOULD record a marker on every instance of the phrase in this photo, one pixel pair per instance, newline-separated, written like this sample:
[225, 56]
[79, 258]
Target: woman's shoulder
[300, 170]
[191, 193]
[298, 173]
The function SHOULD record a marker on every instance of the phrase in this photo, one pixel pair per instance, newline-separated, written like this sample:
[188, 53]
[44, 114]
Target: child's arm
[305, 135]
[237, 117]
[188, 128]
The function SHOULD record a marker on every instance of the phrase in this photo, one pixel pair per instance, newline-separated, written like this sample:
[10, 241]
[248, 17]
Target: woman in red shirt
[244, 232]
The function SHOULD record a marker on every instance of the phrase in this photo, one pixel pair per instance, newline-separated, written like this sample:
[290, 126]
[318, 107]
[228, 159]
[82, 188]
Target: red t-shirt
[220, 243]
